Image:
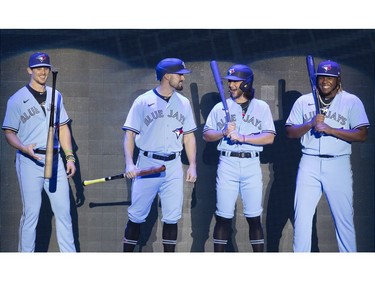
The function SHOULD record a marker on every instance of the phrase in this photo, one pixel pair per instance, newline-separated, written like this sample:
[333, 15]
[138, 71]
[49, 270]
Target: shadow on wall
[203, 204]
[284, 155]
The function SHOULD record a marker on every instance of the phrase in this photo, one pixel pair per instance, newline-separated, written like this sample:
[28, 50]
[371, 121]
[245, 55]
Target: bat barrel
[217, 78]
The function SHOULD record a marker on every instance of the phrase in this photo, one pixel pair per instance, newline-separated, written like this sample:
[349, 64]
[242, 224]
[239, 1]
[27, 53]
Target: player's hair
[249, 94]
[340, 84]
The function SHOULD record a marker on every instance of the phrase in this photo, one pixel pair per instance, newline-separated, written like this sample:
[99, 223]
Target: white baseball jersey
[159, 125]
[258, 119]
[346, 112]
[25, 116]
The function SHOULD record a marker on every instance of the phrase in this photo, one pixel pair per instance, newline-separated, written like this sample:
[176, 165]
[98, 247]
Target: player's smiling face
[328, 86]
[234, 89]
[39, 74]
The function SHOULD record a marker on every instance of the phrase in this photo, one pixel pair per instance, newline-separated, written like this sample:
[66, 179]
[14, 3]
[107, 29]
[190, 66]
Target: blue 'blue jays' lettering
[30, 112]
[160, 114]
[254, 121]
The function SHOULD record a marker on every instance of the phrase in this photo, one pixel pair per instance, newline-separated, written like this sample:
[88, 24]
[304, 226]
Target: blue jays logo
[41, 57]
[178, 132]
[231, 71]
[327, 67]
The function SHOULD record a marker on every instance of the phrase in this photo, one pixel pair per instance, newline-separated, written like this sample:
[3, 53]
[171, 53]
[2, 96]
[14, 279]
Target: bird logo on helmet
[240, 72]
[328, 68]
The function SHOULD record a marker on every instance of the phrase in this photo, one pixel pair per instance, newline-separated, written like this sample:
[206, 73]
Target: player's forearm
[129, 145]
[297, 131]
[191, 149]
[355, 135]
[259, 139]
[65, 138]
[212, 135]
[13, 140]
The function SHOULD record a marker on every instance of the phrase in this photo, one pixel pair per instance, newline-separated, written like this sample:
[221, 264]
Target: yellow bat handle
[88, 182]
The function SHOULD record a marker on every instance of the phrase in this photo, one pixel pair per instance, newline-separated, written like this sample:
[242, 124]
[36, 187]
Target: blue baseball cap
[172, 66]
[39, 59]
[328, 68]
[239, 72]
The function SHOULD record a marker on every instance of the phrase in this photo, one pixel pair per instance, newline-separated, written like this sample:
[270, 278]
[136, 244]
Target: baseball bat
[51, 132]
[216, 74]
[93, 205]
[141, 172]
[312, 77]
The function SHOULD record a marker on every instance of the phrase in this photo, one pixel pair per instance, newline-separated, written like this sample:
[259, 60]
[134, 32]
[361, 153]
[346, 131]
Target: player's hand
[229, 127]
[319, 118]
[131, 171]
[191, 174]
[70, 169]
[29, 149]
[323, 128]
[235, 136]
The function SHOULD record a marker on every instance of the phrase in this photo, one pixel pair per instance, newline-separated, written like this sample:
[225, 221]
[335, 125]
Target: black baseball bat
[142, 172]
[312, 77]
[93, 205]
[51, 132]
[216, 74]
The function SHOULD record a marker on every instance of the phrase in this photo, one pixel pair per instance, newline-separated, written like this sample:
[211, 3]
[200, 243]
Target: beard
[176, 86]
[239, 93]
[179, 87]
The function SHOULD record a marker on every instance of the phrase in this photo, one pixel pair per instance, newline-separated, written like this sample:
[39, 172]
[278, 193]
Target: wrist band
[71, 158]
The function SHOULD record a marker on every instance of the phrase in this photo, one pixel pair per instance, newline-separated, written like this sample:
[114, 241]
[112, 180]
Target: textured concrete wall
[98, 91]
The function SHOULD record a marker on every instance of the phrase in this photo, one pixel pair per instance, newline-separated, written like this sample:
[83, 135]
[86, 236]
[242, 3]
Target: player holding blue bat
[325, 164]
[241, 140]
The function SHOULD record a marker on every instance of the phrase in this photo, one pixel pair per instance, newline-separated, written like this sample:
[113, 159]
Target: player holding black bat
[140, 172]
[26, 126]
[160, 123]
[325, 164]
[242, 138]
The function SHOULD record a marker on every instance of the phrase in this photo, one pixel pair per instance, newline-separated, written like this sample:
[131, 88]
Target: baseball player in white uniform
[160, 123]
[26, 125]
[325, 164]
[241, 141]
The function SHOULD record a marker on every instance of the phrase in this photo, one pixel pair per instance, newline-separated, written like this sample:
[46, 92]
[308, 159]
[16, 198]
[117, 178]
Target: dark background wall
[102, 71]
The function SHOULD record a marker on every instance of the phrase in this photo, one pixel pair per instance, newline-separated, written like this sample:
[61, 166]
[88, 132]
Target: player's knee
[254, 222]
[223, 222]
